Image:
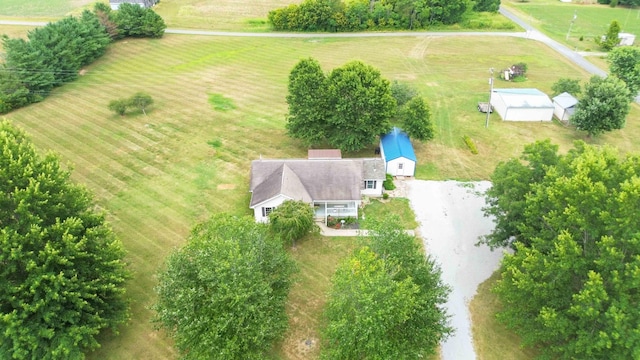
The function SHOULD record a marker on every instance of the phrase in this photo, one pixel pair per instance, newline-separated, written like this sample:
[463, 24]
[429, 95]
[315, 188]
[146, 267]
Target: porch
[336, 209]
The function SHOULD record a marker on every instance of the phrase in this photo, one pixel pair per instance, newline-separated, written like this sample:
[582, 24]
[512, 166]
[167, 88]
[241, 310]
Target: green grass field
[42, 8]
[554, 17]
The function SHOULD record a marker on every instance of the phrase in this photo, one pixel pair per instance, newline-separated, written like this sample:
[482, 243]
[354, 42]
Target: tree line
[53, 55]
[337, 15]
[351, 106]
[570, 289]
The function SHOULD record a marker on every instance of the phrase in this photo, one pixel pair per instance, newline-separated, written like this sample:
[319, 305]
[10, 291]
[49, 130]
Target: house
[522, 104]
[115, 4]
[626, 39]
[397, 153]
[334, 187]
[564, 105]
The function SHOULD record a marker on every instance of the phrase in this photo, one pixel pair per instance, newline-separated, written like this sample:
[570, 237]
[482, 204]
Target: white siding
[377, 191]
[560, 112]
[271, 203]
[499, 105]
[528, 114]
[401, 167]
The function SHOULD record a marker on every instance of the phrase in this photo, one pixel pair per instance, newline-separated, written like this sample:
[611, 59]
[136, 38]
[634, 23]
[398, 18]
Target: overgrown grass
[554, 17]
[378, 210]
[491, 339]
[156, 176]
[221, 103]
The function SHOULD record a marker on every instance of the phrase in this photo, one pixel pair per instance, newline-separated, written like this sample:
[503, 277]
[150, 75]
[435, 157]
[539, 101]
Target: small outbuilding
[626, 39]
[115, 4]
[397, 152]
[522, 104]
[564, 105]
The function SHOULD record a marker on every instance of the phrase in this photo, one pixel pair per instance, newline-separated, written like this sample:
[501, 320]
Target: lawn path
[451, 220]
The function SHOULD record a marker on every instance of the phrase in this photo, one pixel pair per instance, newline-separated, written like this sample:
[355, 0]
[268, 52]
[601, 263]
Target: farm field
[554, 17]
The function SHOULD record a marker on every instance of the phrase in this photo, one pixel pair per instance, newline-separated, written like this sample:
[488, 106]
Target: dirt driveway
[451, 220]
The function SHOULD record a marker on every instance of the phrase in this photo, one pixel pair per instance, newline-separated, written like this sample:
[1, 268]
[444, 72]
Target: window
[267, 210]
[369, 184]
[400, 165]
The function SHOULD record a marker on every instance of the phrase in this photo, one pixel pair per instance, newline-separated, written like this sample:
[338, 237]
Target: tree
[361, 106]
[571, 86]
[367, 309]
[624, 63]
[136, 21]
[140, 101]
[487, 5]
[603, 107]
[611, 39]
[570, 288]
[13, 94]
[402, 92]
[223, 295]
[119, 106]
[416, 119]
[63, 271]
[307, 102]
[292, 220]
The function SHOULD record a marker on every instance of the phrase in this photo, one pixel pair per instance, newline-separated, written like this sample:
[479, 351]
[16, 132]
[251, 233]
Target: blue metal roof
[526, 91]
[396, 144]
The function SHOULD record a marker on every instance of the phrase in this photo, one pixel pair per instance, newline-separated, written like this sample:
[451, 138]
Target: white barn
[564, 105]
[397, 153]
[522, 105]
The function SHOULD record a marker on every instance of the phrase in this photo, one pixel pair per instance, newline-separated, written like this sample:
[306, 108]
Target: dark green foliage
[348, 109]
[386, 301]
[603, 107]
[292, 220]
[571, 86]
[624, 63]
[571, 287]
[62, 274]
[416, 119]
[106, 18]
[336, 15]
[611, 38]
[118, 106]
[136, 21]
[13, 93]
[140, 101]
[307, 101]
[487, 5]
[402, 92]
[223, 295]
[388, 182]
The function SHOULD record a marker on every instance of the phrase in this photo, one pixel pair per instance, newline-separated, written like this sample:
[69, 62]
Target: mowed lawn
[554, 17]
[158, 175]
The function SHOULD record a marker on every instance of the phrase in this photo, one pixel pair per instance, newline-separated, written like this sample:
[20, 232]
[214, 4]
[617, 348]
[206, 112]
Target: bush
[388, 183]
[470, 144]
[385, 196]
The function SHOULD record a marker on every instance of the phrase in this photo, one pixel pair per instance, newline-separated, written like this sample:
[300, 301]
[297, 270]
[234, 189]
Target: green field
[554, 17]
[42, 8]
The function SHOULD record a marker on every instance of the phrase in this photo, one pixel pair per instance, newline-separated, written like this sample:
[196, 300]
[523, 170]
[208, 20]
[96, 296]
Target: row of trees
[620, 2]
[386, 301]
[62, 272]
[350, 107]
[570, 288]
[53, 55]
[337, 15]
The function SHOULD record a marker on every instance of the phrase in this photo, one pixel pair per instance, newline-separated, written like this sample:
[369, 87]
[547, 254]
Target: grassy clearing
[491, 339]
[554, 17]
[377, 210]
[221, 103]
[42, 8]
[158, 175]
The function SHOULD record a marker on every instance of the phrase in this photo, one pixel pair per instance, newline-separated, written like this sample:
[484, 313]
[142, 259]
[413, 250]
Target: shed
[115, 4]
[397, 153]
[564, 105]
[522, 104]
[626, 39]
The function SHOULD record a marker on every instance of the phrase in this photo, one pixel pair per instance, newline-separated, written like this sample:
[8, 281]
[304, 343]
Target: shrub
[385, 196]
[470, 144]
[388, 183]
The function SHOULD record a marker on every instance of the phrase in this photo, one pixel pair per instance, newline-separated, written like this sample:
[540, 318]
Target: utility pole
[486, 122]
[575, 16]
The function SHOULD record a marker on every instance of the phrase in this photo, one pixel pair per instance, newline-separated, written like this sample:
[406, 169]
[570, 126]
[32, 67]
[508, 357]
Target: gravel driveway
[451, 220]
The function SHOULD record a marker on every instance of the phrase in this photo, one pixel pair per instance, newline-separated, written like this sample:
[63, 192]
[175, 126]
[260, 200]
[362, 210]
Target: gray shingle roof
[312, 180]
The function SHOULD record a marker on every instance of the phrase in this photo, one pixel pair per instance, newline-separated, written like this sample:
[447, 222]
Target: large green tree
[63, 274]
[292, 220]
[360, 104]
[571, 86]
[416, 119]
[571, 287]
[603, 107]
[223, 295]
[624, 62]
[307, 102]
[136, 21]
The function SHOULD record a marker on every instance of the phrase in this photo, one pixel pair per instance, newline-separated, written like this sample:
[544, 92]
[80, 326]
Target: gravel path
[451, 220]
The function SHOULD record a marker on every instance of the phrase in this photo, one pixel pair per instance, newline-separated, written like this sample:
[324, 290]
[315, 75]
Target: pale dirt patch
[82, 72]
[226, 186]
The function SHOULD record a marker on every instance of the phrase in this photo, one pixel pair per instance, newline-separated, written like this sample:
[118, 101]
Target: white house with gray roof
[334, 187]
